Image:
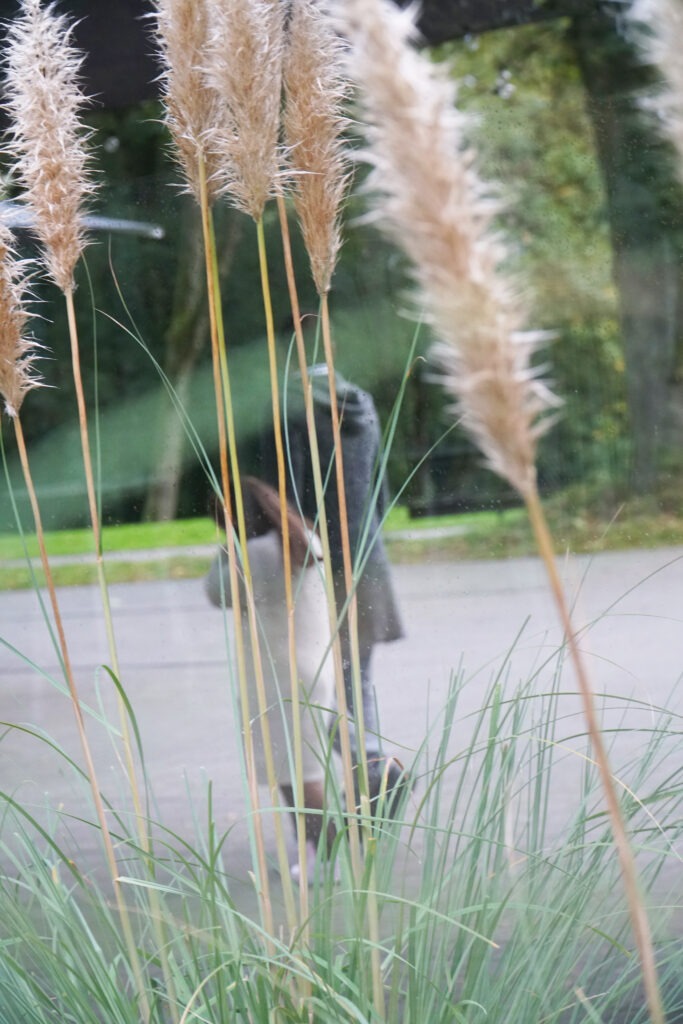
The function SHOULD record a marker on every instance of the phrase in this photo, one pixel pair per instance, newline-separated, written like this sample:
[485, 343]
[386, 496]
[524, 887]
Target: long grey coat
[379, 619]
[313, 661]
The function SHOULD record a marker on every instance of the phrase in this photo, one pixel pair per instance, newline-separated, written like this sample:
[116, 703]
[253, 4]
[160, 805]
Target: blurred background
[556, 95]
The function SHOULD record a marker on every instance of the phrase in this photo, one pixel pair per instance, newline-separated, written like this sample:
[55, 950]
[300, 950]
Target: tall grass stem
[93, 509]
[352, 613]
[639, 919]
[228, 449]
[347, 557]
[80, 724]
[129, 758]
[210, 257]
[297, 741]
[342, 709]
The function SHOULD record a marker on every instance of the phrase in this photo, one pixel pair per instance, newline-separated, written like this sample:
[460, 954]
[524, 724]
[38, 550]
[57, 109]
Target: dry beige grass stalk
[223, 96]
[192, 108]
[18, 353]
[433, 204]
[244, 67]
[440, 213]
[661, 22]
[316, 88]
[47, 141]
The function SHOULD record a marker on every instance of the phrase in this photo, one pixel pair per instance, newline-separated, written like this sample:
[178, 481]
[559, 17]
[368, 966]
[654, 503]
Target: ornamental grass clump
[493, 908]
[235, 65]
[431, 201]
[18, 353]
[476, 908]
[316, 89]
[48, 147]
[47, 143]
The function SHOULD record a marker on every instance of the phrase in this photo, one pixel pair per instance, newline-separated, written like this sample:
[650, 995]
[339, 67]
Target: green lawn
[181, 534]
[191, 532]
[129, 537]
[488, 534]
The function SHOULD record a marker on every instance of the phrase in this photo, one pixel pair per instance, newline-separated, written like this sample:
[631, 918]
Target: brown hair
[262, 513]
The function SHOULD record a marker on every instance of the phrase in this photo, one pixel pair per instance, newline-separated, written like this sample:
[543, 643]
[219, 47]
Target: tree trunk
[186, 338]
[640, 190]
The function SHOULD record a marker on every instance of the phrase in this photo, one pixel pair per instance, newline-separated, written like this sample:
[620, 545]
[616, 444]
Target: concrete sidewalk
[486, 620]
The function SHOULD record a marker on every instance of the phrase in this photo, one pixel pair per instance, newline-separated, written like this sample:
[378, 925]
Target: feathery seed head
[662, 24]
[316, 88]
[244, 67]
[431, 201]
[17, 352]
[192, 109]
[46, 139]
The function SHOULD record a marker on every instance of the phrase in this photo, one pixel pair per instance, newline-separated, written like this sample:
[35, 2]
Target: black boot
[389, 786]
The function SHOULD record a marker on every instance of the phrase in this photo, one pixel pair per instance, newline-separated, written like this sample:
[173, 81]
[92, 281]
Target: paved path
[480, 618]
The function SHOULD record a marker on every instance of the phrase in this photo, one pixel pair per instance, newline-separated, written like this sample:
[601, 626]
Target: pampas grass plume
[47, 140]
[192, 113]
[316, 88]
[244, 67]
[17, 352]
[436, 208]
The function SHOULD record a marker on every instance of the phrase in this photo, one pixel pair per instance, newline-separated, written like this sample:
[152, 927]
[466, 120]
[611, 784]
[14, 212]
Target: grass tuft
[489, 907]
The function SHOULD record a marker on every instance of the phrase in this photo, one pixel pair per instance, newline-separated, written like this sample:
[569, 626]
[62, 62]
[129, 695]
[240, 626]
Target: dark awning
[120, 69]
[114, 35]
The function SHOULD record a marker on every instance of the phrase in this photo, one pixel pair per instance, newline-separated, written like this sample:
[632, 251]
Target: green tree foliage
[529, 123]
[523, 92]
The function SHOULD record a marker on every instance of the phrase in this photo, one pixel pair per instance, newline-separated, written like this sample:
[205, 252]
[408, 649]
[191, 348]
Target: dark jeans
[370, 720]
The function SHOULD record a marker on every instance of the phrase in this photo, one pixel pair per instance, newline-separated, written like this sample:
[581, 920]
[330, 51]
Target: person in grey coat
[379, 619]
[312, 643]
